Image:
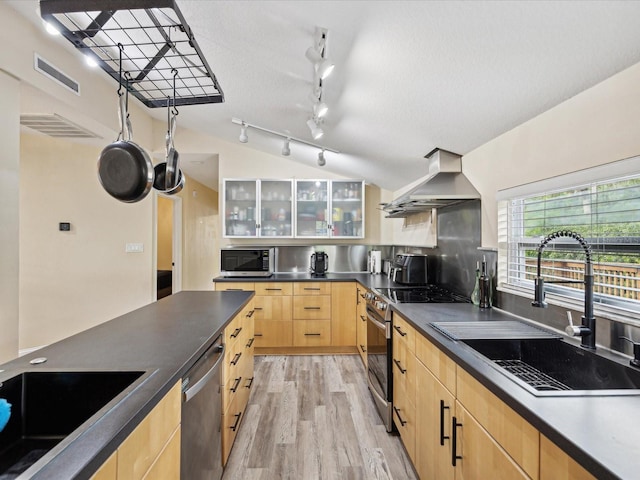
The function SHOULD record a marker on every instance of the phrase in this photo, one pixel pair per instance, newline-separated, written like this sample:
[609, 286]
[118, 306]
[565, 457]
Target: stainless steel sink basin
[548, 367]
[47, 407]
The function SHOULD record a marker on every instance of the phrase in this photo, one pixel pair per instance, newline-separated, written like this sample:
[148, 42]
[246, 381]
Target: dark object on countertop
[319, 264]
[635, 361]
[485, 286]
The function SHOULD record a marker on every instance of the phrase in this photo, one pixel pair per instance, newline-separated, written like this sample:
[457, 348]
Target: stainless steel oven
[379, 357]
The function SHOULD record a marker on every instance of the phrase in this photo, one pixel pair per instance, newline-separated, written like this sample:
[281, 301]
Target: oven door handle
[385, 326]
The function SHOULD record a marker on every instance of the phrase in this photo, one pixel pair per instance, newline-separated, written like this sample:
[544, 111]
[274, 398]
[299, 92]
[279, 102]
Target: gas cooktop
[422, 294]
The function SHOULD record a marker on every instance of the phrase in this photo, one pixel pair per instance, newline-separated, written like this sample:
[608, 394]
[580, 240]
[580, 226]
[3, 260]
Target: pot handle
[125, 124]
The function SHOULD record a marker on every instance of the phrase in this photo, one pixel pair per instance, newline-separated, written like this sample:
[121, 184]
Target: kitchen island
[163, 340]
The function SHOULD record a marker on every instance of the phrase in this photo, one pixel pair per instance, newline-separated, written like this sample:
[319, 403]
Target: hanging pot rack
[155, 39]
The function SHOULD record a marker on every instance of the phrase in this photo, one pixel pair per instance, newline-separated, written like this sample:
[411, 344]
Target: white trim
[600, 173]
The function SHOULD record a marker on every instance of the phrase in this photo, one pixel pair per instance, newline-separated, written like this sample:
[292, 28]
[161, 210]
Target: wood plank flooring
[312, 417]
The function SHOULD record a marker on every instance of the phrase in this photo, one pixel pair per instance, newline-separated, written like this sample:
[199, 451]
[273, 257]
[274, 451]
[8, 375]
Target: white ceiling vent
[55, 126]
[47, 69]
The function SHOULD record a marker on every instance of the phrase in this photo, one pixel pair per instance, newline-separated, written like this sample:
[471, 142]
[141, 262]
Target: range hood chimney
[444, 185]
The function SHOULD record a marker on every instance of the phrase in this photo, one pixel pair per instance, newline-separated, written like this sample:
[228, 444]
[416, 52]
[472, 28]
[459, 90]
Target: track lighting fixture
[321, 160]
[286, 151]
[320, 109]
[316, 131]
[51, 30]
[244, 138]
[317, 54]
[287, 138]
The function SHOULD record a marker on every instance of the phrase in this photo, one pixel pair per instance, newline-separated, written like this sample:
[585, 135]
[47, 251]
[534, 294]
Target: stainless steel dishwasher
[201, 436]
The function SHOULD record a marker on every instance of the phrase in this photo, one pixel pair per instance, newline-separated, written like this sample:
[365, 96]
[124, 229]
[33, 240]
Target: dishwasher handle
[191, 392]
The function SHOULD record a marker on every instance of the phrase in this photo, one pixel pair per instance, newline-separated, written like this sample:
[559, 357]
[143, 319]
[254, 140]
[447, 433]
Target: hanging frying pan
[124, 168]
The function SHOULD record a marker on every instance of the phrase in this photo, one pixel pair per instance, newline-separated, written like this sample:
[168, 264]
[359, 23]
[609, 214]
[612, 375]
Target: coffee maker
[319, 264]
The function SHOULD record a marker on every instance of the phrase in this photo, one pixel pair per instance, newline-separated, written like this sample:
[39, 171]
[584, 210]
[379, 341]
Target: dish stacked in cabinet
[237, 375]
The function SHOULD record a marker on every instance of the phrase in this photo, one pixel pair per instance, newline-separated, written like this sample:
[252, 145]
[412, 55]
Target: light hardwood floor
[312, 417]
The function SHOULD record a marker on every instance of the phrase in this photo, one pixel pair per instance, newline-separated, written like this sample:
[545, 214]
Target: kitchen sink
[48, 406]
[554, 367]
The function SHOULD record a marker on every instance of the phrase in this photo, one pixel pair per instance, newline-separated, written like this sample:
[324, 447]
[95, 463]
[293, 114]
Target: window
[607, 215]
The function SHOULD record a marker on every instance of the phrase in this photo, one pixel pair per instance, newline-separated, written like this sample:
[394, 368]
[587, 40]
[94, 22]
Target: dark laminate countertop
[600, 432]
[164, 339]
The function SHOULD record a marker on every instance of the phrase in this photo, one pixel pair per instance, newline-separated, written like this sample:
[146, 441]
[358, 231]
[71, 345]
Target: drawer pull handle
[364, 350]
[250, 342]
[311, 288]
[312, 308]
[402, 422]
[236, 384]
[234, 289]
[454, 434]
[312, 334]
[274, 289]
[402, 370]
[363, 318]
[257, 334]
[250, 314]
[236, 358]
[248, 385]
[257, 308]
[236, 332]
[443, 437]
[235, 424]
[399, 330]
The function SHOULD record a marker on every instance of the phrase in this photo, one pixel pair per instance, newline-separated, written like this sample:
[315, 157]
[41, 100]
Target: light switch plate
[134, 248]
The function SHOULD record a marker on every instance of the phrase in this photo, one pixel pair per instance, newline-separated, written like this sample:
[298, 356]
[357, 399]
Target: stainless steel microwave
[247, 262]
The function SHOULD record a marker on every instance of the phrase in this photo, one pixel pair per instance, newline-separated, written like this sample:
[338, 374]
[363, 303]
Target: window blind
[606, 213]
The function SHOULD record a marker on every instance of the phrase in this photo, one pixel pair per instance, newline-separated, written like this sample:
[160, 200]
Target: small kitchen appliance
[374, 261]
[319, 264]
[243, 262]
[414, 269]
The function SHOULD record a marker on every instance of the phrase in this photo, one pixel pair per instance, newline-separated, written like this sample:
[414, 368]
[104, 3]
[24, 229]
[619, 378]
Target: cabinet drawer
[518, 437]
[274, 288]
[234, 286]
[442, 367]
[312, 288]
[167, 465]
[405, 332]
[557, 465]
[404, 416]
[312, 307]
[403, 365]
[312, 333]
[272, 308]
[231, 423]
[273, 333]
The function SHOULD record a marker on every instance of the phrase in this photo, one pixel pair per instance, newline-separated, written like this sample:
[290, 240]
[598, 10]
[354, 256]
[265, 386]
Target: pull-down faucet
[587, 331]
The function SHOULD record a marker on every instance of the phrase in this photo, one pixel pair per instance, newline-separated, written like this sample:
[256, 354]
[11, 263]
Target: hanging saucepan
[168, 177]
[124, 168]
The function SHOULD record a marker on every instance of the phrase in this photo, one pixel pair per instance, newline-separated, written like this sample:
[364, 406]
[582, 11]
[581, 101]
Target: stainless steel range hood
[444, 185]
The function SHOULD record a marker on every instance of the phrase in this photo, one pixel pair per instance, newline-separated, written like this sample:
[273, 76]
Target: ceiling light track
[286, 150]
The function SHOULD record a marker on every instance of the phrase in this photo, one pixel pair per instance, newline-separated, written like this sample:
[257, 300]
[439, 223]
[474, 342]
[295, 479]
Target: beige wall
[200, 235]
[9, 174]
[70, 281]
[598, 126]
[165, 233]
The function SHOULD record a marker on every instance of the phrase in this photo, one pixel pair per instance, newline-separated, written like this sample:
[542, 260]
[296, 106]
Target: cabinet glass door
[240, 208]
[347, 207]
[276, 207]
[312, 208]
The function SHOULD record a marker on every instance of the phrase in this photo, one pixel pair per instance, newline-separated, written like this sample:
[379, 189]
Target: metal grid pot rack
[155, 40]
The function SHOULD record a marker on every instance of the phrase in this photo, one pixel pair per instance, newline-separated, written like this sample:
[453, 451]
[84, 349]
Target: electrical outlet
[64, 226]
[134, 248]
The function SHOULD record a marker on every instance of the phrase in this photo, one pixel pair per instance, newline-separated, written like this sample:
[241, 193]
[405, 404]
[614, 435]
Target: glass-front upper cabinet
[330, 208]
[276, 208]
[347, 207]
[312, 207]
[240, 208]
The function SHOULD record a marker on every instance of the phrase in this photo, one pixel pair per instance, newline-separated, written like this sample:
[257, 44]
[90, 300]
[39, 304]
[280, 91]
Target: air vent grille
[47, 69]
[55, 125]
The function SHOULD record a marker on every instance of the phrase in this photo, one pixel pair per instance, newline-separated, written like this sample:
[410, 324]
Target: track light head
[244, 138]
[316, 131]
[313, 55]
[324, 68]
[321, 160]
[320, 109]
[286, 151]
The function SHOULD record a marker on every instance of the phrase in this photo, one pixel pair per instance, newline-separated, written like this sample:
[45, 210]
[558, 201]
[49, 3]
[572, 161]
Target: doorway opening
[168, 245]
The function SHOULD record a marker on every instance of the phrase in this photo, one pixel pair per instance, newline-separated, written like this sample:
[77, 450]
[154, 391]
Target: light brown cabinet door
[234, 286]
[273, 333]
[108, 470]
[272, 307]
[361, 326]
[433, 427]
[312, 288]
[310, 307]
[312, 333]
[481, 457]
[557, 465]
[343, 314]
[167, 465]
[274, 288]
